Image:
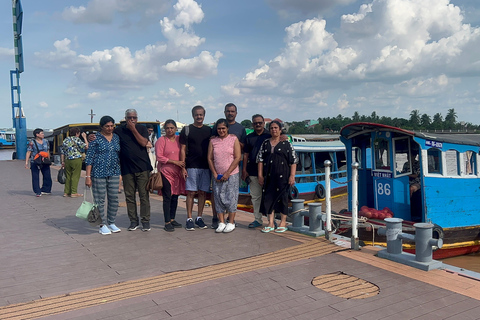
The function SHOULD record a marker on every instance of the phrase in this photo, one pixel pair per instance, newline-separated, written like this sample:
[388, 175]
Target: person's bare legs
[283, 221]
[231, 217]
[271, 220]
[190, 197]
[201, 202]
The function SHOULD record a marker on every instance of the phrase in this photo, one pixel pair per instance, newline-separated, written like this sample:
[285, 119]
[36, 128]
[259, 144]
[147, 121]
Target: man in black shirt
[136, 168]
[194, 141]
[253, 142]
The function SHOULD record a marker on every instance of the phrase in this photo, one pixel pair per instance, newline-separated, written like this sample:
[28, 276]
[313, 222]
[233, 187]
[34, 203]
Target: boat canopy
[365, 128]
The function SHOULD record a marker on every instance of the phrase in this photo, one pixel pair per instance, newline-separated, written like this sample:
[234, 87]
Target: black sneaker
[200, 224]
[175, 224]
[169, 227]
[214, 223]
[133, 226]
[189, 225]
[146, 226]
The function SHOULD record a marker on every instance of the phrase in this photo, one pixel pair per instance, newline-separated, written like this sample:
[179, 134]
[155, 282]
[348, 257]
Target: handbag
[61, 177]
[155, 181]
[41, 158]
[89, 211]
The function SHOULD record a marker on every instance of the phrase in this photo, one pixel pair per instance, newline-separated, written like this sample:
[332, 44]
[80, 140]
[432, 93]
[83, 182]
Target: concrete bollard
[314, 214]
[315, 217]
[297, 218]
[423, 244]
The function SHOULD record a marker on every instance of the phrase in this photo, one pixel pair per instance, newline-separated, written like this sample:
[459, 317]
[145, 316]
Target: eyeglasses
[132, 118]
[258, 123]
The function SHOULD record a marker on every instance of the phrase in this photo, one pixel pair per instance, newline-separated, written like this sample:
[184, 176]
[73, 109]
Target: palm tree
[437, 121]
[415, 119]
[450, 119]
[425, 121]
[356, 117]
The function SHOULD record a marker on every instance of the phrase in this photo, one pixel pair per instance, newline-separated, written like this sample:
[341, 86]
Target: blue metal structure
[18, 117]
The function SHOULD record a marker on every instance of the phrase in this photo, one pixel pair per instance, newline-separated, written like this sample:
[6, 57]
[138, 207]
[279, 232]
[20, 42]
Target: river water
[469, 262]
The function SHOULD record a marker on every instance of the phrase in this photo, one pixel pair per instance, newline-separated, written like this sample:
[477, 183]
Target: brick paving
[45, 251]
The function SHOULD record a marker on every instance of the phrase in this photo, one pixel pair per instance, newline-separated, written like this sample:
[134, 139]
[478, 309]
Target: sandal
[76, 195]
[281, 229]
[267, 229]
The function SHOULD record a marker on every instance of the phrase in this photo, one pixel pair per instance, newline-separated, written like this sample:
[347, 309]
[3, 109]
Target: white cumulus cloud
[386, 40]
[120, 68]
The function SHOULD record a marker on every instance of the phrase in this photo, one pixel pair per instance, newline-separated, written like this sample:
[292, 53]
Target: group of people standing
[198, 160]
[211, 158]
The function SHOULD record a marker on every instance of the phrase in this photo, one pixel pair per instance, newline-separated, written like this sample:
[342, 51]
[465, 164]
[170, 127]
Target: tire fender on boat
[293, 193]
[320, 191]
[437, 232]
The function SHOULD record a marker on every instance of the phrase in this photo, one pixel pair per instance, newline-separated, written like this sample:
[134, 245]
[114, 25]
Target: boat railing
[321, 175]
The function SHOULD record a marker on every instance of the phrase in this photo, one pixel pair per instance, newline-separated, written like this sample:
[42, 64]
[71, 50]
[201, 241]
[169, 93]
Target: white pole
[354, 203]
[328, 199]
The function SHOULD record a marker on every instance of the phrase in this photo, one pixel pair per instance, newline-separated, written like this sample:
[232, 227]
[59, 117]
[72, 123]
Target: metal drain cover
[345, 286]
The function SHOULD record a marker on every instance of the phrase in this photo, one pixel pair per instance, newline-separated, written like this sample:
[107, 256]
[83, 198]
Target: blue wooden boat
[7, 139]
[310, 175]
[449, 180]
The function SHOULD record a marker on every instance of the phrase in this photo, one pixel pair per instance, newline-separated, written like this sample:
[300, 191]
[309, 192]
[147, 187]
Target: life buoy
[320, 191]
[293, 193]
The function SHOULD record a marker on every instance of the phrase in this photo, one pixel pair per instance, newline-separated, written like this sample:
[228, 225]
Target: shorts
[198, 179]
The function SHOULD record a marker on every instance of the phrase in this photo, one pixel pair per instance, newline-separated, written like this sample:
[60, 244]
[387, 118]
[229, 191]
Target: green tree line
[417, 122]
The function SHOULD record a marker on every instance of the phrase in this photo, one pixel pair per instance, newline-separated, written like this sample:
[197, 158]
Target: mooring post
[297, 206]
[315, 217]
[424, 242]
[355, 242]
[328, 199]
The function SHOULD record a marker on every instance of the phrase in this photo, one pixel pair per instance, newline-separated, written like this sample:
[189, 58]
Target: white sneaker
[113, 228]
[229, 228]
[104, 230]
[221, 227]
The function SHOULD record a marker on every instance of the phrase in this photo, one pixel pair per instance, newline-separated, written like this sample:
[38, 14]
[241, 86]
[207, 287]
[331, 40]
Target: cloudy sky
[291, 59]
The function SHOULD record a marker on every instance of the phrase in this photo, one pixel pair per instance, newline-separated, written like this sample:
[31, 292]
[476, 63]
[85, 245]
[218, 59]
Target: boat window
[320, 158]
[342, 163]
[304, 167]
[434, 157]
[470, 163]
[368, 154]
[382, 154]
[403, 163]
[452, 162]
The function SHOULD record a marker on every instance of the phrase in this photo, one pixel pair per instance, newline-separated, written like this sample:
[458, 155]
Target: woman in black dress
[277, 163]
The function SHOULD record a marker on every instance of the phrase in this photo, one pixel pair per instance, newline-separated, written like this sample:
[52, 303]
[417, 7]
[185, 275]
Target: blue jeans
[47, 178]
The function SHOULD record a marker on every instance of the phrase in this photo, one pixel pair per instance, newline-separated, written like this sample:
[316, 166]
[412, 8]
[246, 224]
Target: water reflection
[470, 262]
[6, 154]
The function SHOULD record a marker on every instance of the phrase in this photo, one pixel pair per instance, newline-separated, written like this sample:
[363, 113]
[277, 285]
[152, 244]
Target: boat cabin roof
[318, 146]
[365, 128]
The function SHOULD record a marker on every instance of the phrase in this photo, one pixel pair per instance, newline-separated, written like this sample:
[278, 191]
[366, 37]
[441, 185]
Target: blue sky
[287, 59]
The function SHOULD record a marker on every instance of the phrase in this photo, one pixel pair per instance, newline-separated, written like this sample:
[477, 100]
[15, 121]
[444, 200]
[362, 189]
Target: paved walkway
[55, 266]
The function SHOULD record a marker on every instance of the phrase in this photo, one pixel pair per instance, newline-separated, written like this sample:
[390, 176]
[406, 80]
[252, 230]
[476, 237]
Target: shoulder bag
[41, 159]
[155, 181]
